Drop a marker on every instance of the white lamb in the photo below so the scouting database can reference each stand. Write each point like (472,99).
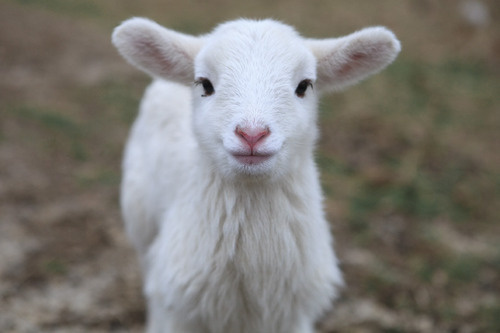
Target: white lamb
(220,191)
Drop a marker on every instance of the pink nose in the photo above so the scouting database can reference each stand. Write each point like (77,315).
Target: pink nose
(252,135)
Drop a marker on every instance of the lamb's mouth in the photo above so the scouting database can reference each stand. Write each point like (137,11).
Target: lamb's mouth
(252,159)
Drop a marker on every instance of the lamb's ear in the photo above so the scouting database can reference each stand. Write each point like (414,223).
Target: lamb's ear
(344,61)
(156,50)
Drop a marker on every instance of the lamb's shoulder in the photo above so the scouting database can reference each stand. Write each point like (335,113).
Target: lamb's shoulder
(165,113)
(157,156)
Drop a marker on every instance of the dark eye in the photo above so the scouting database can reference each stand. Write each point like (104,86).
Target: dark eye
(302,87)
(207,86)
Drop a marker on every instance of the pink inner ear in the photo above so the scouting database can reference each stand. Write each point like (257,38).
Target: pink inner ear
(153,54)
(354,60)
(358,56)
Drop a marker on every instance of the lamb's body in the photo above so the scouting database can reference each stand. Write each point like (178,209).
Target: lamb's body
(220,193)
(236,257)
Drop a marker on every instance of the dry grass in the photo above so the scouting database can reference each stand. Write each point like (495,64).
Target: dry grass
(409,159)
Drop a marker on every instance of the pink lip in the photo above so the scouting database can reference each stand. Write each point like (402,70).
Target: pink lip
(251,159)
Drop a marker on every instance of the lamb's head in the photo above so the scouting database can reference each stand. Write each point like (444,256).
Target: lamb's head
(255,84)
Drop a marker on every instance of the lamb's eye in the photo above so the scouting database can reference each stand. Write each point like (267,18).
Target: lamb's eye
(302,87)
(207,86)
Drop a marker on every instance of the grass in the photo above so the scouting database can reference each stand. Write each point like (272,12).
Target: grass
(120,98)
(490,318)
(107,177)
(61,130)
(50,119)
(55,267)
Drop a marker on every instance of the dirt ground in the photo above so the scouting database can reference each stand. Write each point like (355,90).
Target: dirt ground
(410,164)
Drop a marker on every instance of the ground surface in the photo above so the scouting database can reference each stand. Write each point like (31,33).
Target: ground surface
(410,164)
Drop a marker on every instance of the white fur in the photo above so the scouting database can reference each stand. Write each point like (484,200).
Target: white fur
(228,245)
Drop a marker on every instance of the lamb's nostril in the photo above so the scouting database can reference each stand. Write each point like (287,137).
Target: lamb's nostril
(252,135)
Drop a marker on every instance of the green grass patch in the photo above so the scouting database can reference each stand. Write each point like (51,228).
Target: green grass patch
(444,92)
(61,128)
(416,198)
(111,101)
(463,268)
(490,317)
(48,118)
(455,191)
(55,267)
(333,166)
(122,99)
(100,177)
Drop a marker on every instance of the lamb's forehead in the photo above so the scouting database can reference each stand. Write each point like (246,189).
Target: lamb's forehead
(265,41)
(254,28)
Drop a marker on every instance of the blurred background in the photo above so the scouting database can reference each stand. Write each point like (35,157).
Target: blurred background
(410,163)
